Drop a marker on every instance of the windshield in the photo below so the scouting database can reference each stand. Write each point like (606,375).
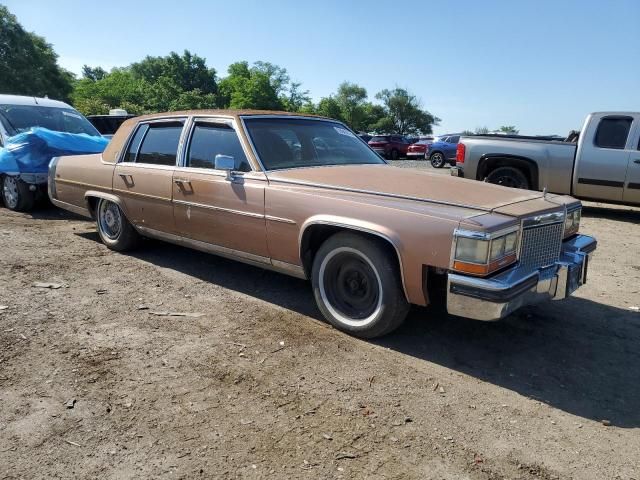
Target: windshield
(21,118)
(296,143)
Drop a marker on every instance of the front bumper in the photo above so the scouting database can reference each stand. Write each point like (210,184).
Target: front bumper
(496,297)
(34,178)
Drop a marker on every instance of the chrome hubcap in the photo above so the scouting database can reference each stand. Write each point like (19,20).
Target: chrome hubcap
(110,219)
(10,191)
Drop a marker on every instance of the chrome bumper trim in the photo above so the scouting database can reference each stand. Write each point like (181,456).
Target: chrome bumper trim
(497,297)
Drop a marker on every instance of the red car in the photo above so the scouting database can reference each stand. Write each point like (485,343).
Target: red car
(419,150)
(390,146)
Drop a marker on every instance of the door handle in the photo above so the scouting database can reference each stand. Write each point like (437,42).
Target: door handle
(127,179)
(637,160)
(181,181)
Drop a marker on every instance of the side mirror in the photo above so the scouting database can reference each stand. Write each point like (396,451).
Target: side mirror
(226,163)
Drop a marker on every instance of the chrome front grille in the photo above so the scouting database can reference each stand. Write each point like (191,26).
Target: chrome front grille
(541,245)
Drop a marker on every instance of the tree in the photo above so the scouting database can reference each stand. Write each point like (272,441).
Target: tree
(372,115)
(329,107)
(404,114)
(248,88)
(295,100)
(95,74)
(351,98)
(481,130)
(187,72)
(510,129)
(28,64)
(466,132)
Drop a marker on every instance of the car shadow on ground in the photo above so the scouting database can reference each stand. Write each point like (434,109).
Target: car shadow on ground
(621,214)
(577,355)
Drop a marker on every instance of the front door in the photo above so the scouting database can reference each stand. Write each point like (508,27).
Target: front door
(144,177)
(602,163)
(210,206)
(631,192)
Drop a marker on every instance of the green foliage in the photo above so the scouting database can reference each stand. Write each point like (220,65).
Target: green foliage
(403,114)
(330,107)
(97,73)
(155,84)
(481,130)
(28,64)
(352,99)
(466,132)
(263,86)
(510,129)
(248,88)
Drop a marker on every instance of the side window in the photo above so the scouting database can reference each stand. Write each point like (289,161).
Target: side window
(444,139)
(134,146)
(209,140)
(454,139)
(159,143)
(612,132)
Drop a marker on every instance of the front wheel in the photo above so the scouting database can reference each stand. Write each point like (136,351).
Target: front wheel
(509,177)
(357,285)
(437,160)
(16,194)
(113,227)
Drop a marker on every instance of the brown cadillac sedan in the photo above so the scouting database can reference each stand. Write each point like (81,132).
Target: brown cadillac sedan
(305,196)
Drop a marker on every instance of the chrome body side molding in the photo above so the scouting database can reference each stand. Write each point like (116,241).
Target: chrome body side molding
(249,258)
(84,212)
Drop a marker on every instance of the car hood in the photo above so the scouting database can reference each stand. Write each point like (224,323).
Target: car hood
(417,185)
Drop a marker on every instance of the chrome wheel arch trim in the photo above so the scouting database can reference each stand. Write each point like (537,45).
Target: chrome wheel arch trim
(357,226)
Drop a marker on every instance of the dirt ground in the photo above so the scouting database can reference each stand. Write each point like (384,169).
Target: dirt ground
(94,385)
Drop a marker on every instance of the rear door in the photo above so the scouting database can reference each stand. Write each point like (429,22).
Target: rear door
(209,206)
(452,144)
(603,157)
(631,192)
(144,176)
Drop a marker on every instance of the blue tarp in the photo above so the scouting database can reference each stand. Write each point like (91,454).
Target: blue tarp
(30,152)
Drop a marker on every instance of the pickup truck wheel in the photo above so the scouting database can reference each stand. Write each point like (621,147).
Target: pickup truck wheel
(437,160)
(16,194)
(394,154)
(357,286)
(509,177)
(113,227)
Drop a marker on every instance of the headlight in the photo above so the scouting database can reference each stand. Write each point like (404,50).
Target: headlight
(477,253)
(472,250)
(572,222)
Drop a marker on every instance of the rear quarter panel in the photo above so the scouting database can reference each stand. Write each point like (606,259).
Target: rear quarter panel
(76,175)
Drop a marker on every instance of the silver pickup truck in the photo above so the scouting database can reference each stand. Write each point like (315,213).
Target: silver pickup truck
(601,163)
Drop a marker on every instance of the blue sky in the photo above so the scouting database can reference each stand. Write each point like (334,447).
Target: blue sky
(540,65)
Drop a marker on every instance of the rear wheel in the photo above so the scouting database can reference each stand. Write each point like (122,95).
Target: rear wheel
(509,177)
(437,160)
(16,194)
(394,154)
(113,227)
(357,285)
